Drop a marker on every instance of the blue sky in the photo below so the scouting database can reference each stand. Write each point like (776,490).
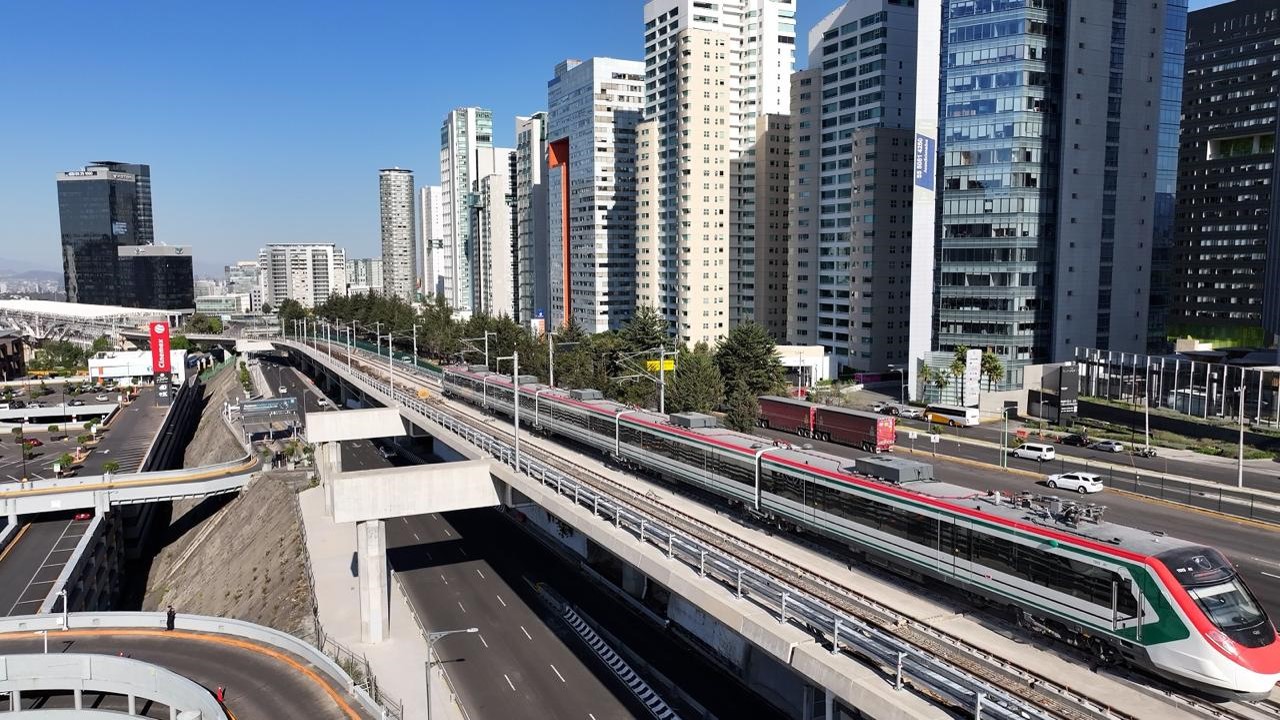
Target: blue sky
(267,121)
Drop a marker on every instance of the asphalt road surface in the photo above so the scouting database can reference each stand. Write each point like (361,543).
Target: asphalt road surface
(1251,546)
(259,686)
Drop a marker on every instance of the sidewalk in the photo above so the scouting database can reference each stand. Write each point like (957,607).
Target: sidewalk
(397,662)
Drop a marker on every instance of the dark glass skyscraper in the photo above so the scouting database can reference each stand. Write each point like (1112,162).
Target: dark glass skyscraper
(1049,145)
(108,251)
(1226,231)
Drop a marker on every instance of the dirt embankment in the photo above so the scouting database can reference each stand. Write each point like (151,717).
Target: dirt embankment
(240,556)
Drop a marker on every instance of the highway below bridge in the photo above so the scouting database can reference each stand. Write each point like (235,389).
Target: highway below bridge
(477,568)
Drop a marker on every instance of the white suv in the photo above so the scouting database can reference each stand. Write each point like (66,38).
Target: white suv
(1081,482)
(1035,451)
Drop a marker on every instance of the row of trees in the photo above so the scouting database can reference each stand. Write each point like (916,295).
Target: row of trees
(990,368)
(64,355)
(730,375)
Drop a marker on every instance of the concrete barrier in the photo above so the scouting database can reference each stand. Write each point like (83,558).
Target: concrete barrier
(82,673)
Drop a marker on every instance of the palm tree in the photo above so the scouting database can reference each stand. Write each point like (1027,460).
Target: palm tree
(992,368)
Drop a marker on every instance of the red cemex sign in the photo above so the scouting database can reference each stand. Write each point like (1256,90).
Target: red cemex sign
(160,347)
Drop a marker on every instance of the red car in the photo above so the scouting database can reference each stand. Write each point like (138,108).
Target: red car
(85,515)
(33,442)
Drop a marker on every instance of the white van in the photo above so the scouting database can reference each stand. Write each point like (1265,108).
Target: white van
(1035,451)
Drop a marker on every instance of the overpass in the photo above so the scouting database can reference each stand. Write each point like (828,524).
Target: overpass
(101,492)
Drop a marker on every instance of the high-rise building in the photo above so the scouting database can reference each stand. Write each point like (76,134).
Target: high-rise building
(531,216)
(155,276)
(773,222)
(399,251)
(593,109)
(466,155)
(1226,233)
(306,272)
(245,278)
(711,70)
(431,235)
(494,280)
(101,208)
(854,109)
(1049,141)
(364,275)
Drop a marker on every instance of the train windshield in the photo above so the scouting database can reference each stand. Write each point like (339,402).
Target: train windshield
(1229,605)
(1197,566)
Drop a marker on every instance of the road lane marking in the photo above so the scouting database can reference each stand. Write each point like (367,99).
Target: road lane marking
(463,551)
(464,609)
(509,684)
(446,582)
(447,533)
(415,537)
(482,642)
(23,531)
(482,577)
(405,520)
(557,672)
(526,632)
(504,602)
(1277,577)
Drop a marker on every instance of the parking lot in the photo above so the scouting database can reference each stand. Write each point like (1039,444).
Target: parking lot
(39,466)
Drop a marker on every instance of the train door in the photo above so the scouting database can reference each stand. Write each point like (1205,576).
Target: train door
(954,550)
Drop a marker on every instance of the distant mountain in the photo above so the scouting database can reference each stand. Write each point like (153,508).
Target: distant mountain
(38,275)
(9,267)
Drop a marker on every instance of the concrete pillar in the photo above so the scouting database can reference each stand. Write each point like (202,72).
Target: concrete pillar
(375,599)
(78,695)
(133,705)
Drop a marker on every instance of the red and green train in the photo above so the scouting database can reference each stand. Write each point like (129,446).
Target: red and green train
(1176,608)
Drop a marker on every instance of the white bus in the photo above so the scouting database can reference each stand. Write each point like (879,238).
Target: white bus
(952,415)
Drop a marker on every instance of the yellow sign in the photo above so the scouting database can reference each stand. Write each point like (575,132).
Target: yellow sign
(652,365)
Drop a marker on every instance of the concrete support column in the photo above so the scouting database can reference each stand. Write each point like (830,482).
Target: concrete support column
(133,705)
(375,598)
(78,695)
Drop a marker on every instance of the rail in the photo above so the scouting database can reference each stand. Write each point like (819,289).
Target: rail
(934,663)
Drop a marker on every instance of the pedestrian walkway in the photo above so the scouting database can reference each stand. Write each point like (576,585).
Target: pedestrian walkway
(398,662)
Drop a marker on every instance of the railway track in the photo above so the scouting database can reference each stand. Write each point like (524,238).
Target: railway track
(1056,699)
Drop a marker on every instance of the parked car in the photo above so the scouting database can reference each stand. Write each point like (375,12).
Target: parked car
(1040,452)
(33,442)
(102,397)
(1112,446)
(386,452)
(880,407)
(282,390)
(77,402)
(912,413)
(1076,440)
(83,515)
(1081,482)
(324,403)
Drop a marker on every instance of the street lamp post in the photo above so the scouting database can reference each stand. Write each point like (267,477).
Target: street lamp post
(514,357)
(1240,455)
(66,616)
(432,637)
(415,346)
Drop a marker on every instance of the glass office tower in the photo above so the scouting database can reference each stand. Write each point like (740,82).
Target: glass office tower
(98,211)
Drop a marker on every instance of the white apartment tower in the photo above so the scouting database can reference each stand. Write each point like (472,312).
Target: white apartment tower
(435,260)
(399,256)
(593,110)
(466,156)
(531,217)
(305,272)
(712,70)
(494,280)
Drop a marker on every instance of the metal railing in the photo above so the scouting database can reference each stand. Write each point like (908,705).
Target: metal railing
(840,630)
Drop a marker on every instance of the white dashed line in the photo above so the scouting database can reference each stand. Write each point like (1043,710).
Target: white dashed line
(415,537)
(482,642)
(482,577)
(526,632)
(464,609)
(509,684)
(446,582)
(504,602)
(447,533)
(557,672)
(1270,575)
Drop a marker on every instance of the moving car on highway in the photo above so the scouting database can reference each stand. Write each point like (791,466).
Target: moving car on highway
(1113,446)
(1081,482)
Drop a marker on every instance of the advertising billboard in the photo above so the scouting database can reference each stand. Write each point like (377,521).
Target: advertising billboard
(160,347)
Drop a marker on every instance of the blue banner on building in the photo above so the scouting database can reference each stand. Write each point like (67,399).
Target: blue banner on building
(926,151)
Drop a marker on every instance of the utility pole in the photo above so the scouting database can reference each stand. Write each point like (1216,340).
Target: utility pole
(415,346)
(514,357)
(1240,456)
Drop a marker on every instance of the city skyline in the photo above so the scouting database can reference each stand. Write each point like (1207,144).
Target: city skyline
(192,118)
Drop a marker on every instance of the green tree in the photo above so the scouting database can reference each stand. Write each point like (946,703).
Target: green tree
(742,410)
(65,461)
(992,369)
(204,324)
(266,308)
(179,342)
(644,331)
(101,344)
(291,310)
(696,384)
(749,355)
(956,368)
(110,466)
